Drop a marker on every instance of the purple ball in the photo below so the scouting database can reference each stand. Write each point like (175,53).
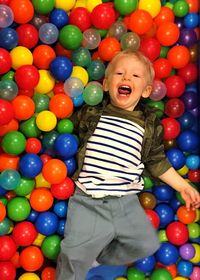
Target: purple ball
(190,99)
(187,37)
(187,251)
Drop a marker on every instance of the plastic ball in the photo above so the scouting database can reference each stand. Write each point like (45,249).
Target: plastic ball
(78,100)
(43,56)
(48,33)
(190,100)
(193,162)
(96,70)
(13,143)
(140,21)
(117,29)
(54,171)
(66,145)
(31,258)
(153,7)
(23,10)
(59,18)
(41,199)
(108,48)
(167,254)
(166,214)
(29,276)
(162,68)
(188,141)
(191,20)
(184,268)
(187,37)
(153,218)
(163,192)
(70,37)
(187,251)
(150,47)
(130,40)
(167,33)
(61,105)
(159,90)
(51,247)
(92,94)
(180,8)
(6,15)
(174,108)
(27,77)
(5,61)
(25,186)
(21,56)
(175,86)
(9,179)
(43,7)
(91,39)
(80,73)
(81,57)
(165,15)
(80,17)
(185,216)
(24,233)
(8,162)
(30,165)
(125,7)
(48,273)
(195,273)
(145,264)
(176,157)
(160,274)
(46,223)
(2,212)
(8,89)
(7,270)
(103,16)
(177,233)
(28,35)
(6,112)
(178,56)
(63,190)
(171,127)
(188,73)
(46,120)
(7,248)
(8,38)
(147,200)
(65,126)
(73,87)
(61,68)
(60,209)
(18,209)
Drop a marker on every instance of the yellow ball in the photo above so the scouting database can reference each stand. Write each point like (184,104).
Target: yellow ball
(151,6)
(183,170)
(46,120)
(196,257)
(80,3)
(41,182)
(46,82)
(120,278)
(29,276)
(180,278)
(65,5)
(21,56)
(197,215)
(91,4)
(81,73)
(39,239)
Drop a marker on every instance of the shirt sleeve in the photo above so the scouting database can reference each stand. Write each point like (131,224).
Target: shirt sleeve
(157,162)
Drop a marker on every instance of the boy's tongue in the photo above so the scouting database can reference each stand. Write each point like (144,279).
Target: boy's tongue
(124,90)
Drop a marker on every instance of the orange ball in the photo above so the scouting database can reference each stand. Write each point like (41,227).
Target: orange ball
(24,107)
(31,258)
(140,22)
(165,15)
(54,171)
(61,105)
(108,48)
(186,216)
(42,56)
(8,161)
(178,56)
(12,125)
(41,199)
(2,211)
(167,33)
(23,10)
(193,6)
(48,273)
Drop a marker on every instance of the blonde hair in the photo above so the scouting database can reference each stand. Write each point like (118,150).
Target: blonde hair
(140,56)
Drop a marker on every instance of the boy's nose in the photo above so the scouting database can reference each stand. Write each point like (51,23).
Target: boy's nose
(126,77)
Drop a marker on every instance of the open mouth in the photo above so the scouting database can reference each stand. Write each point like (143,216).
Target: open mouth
(124,90)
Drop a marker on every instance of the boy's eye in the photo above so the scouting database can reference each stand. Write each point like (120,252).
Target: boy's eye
(119,73)
(135,75)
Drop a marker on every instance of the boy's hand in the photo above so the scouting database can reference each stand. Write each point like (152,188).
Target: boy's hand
(191,197)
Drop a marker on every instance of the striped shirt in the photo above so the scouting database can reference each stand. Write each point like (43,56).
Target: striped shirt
(112,164)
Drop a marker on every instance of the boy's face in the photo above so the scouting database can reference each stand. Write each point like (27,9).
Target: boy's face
(127,82)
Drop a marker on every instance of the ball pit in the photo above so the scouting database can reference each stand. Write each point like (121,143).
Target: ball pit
(53,56)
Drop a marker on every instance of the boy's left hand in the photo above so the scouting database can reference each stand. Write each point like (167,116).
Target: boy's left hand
(191,197)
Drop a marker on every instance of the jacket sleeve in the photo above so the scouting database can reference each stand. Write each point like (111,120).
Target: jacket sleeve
(156,162)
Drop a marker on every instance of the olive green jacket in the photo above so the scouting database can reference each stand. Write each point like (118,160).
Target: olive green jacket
(153,156)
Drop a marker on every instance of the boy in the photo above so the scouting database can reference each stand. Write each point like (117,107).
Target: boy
(118,139)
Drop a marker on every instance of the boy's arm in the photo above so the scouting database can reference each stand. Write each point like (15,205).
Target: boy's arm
(188,193)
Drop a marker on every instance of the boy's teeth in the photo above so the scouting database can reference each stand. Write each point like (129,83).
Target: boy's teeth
(125,90)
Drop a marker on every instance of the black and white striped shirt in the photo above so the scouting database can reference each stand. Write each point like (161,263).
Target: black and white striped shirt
(112,164)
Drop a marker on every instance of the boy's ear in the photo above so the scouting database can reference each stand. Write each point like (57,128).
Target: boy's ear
(105,84)
(147,91)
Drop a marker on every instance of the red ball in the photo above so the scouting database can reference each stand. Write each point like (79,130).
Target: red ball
(61,105)
(177,233)
(33,145)
(165,15)
(140,22)
(171,128)
(31,258)
(108,48)
(150,48)
(103,16)
(167,33)
(175,86)
(178,56)
(189,73)
(59,88)
(162,68)
(174,108)
(28,35)
(27,77)
(153,218)
(194,175)
(6,112)
(23,10)
(5,61)
(7,248)
(24,233)
(186,216)
(63,190)
(7,271)
(80,17)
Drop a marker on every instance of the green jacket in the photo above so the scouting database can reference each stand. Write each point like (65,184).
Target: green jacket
(153,156)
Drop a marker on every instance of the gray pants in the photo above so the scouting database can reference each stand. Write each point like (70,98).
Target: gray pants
(113,231)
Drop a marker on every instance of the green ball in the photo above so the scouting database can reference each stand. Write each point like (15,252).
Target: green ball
(194,230)
(179,197)
(29,128)
(161,274)
(48,140)
(51,246)
(43,7)
(102,32)
(41,102)
(3,200)
(148,183)
(13,143)
(70,37)
(81,57)
(96,70)
(18,209)
(92,94)
(25,187)
(159,105)
(5,226)
(162,235)
(65,126)
(8,76)
(135,274)
(180,8)
(125,7)
(163,52)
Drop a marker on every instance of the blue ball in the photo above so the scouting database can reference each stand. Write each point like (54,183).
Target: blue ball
(78,100)
(61,68)
(176,157)
(165,213)
(146,264)
(163,192)
(175,204)
(8,38)
(193,162)
(33,216)
(59,18)
(60,209)
(66,145)
(61,227)
(184,268)
(47,223)
(188,141)
(30,165)
(167,254)
(2,191)
(191,20)
(71,165)
(186,120)
(10,179)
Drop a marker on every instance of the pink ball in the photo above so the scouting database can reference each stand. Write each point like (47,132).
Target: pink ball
(195,273)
